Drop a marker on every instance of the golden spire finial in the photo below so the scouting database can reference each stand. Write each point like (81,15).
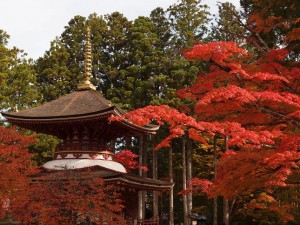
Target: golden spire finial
(86,84)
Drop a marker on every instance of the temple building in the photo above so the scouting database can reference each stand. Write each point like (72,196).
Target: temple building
(81,120)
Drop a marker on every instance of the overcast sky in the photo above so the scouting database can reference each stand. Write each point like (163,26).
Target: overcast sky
(33,24)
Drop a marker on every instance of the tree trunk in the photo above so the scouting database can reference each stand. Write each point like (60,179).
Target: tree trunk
(145,163)
(215,177)
(171,207)
(225,201)
(128,142)
(141,204)
(189,177)
(145,156)
(112,146)
(184,197)
(225,211)
(154,170)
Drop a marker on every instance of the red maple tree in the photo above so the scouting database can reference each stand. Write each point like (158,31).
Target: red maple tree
(16,166)
(71,197)
(30,195)
(129,160)
(253,102)
(263,97)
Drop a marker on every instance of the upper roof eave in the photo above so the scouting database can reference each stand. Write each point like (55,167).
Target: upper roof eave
(83,105)
(113,110)
(108,111)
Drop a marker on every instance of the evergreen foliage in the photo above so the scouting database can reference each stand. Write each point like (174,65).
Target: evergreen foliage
(139,63)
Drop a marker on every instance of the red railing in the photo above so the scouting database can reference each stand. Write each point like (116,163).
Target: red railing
(147,222)
(142,222)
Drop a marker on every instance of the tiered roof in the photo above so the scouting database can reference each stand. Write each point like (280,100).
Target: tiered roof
(80,106)
(81,120)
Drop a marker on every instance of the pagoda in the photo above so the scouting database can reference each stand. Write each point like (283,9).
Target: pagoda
(81,121)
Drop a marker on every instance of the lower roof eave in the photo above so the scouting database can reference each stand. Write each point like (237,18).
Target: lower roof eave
(140,185)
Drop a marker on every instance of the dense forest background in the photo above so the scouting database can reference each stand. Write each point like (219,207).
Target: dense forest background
(141,62)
